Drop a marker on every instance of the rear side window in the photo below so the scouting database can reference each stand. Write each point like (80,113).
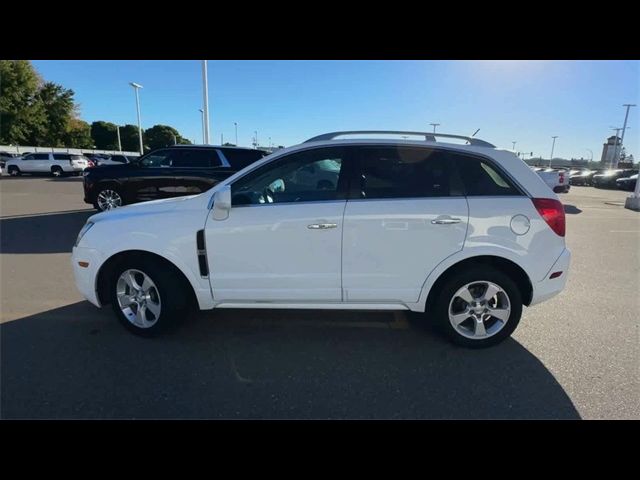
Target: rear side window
(401,172)
(238,159)
(194,158)
(480,178)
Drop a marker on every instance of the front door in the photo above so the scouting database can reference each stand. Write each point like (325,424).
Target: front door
(282,239)
(151,179)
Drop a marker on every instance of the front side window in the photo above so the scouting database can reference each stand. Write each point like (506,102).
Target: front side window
(194,158)
(40,156)
(308,176)
(158,159)
(403,172)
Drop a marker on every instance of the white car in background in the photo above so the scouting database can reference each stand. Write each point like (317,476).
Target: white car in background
(57,164)
(557,179)
(467,234)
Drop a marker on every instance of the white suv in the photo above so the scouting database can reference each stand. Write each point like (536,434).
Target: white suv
(465,233)
(57,164)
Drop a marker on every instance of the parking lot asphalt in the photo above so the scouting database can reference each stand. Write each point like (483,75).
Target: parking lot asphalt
(575,356)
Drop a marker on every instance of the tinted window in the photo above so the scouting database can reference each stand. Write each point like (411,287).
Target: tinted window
(238,159)
(312,175)
(40,156)
(194,158)
(118,158)
(480,178)
(61,156)
(156,159)
(399,172)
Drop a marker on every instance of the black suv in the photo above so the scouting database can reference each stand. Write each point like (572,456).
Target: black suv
(164,173)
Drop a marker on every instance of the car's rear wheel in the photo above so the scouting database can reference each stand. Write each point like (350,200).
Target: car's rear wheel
(14,171)
(108,198)
(56,171)
(479,307)
(147,298)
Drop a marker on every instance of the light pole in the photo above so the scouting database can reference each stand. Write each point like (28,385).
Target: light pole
(136,87)
(514,144)
(202,121)
(119,144)
(552,148)
(205,92)
(236,125)
(624,126)
(434,126)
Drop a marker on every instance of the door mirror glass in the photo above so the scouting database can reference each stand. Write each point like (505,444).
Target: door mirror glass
(222,203)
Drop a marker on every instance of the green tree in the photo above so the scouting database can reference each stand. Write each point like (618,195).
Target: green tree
(78,134)
(104,135)
(129,138)
(59,109)
(160,136)
(21,115)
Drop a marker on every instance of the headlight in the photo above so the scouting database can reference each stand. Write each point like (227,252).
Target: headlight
(84,230)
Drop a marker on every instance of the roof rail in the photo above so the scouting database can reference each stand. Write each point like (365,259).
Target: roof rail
(428,136)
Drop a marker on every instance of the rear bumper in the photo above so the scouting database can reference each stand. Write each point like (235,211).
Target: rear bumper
(550,287)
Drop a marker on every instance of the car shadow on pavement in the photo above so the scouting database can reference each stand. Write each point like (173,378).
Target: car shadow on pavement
(571,209)
(42,233)
(78,362)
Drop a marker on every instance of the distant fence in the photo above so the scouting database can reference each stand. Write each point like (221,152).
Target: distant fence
(25,148)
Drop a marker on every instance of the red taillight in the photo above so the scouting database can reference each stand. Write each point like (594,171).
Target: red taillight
(552,212)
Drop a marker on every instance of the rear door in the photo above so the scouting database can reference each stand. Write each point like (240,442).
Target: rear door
(406,214)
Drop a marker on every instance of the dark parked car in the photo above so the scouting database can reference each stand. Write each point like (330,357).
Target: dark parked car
(164,173)
(608,179)
(628,183)
(583,177)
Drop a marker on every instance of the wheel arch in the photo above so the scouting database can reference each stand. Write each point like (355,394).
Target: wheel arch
(509,267)
(109,266)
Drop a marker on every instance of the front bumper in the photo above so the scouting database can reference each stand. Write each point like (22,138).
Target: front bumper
(550,287)
(86,277)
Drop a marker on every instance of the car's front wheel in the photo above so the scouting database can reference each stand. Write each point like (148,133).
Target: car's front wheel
(478,307)
(14,171)
(147,297)
(108,198)
(56,171)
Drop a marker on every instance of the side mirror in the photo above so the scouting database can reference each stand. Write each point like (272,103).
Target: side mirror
(222,203)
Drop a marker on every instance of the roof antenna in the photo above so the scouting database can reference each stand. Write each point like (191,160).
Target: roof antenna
(474,134)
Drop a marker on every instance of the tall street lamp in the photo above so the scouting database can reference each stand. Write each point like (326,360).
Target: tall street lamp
(624,126)
(205,92)
(552,148)
(119,144)
(236,125)
(136,87)
(434,126)
(514,144)
(202,121)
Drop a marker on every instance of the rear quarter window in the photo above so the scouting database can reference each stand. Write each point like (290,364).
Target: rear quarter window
(481,178)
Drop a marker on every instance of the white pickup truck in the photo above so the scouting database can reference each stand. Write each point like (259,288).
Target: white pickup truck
(557,179)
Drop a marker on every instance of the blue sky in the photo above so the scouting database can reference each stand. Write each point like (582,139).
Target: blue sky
(290,101)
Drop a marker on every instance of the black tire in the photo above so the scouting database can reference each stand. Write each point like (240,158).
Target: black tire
(57,171)
(175,299)
(440,306)
(14,171)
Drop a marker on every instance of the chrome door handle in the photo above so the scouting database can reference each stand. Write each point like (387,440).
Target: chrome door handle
(321,226)
(445,221)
